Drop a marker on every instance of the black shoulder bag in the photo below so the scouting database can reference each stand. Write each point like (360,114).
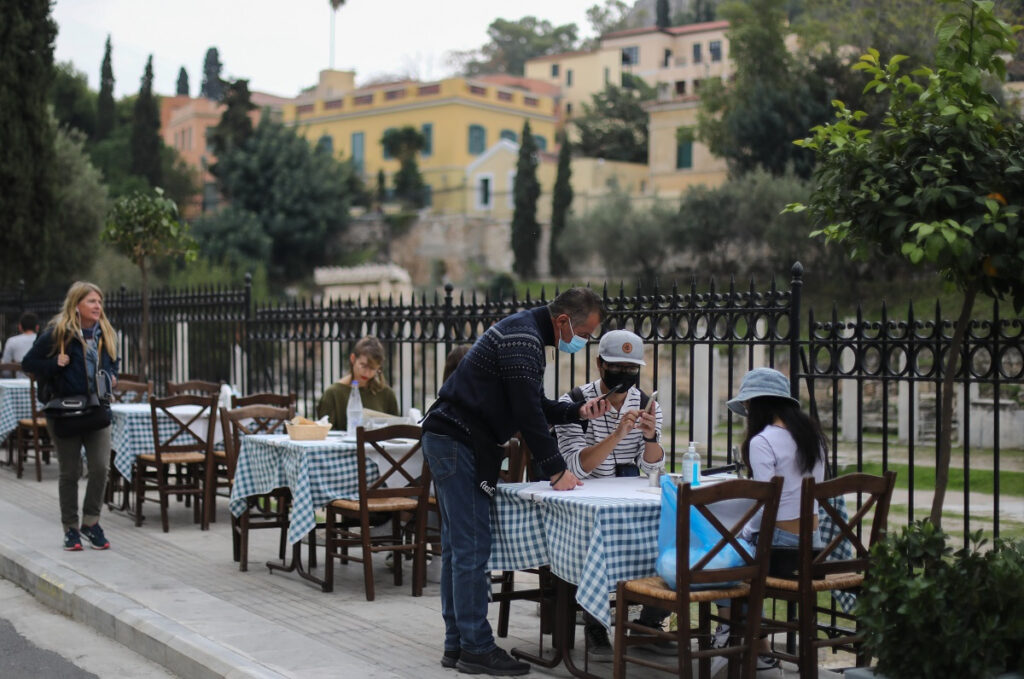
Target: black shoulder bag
(82,413)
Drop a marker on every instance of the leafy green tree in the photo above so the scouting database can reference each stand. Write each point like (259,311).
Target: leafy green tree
(613,15)
(105,114)
(145,137)
(525,229)
(751,121)
(81,206)
(74,104)
(662,18)
(561,205)
(404,143)
(628,241)
(511,43)
(614,124)
(235,125)
(182,88)
(27,205)
(212,86)
(382,188)
(300,197)
(145,228)
(233,237)
(939,183)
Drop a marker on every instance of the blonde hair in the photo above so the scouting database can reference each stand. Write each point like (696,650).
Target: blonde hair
(67,326)
(371,348)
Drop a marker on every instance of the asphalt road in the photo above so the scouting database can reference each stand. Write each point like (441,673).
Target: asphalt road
(39,643)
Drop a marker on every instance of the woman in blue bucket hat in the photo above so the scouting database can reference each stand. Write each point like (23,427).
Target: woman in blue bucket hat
(780,440)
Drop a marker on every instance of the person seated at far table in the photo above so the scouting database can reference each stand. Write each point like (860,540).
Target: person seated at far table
(622,442)
(18,345)
(365,363)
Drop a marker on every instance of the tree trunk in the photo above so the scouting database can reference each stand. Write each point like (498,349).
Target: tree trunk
(144,333)
(945,429)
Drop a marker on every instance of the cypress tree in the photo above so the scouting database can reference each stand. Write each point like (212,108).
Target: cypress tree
(235,125)
(27,199)
(182,82)
(212,86)
(525,229)
(561,202)
(145,140)
(662,19)
(105,115)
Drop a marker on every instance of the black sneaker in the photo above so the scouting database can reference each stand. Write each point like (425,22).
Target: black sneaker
(450,658)
(656,644)
(72,541)
(496,662)
(599,648)
(94,534)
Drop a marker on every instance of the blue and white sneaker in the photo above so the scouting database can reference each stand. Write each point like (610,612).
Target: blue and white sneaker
(72,541)
(94,534)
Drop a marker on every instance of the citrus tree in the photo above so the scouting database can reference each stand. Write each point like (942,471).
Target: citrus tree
(145,228)
(939,182)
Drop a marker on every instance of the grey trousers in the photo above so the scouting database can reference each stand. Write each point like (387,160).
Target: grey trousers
(69,457)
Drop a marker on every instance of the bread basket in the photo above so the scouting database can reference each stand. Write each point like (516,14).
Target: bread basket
(307,432)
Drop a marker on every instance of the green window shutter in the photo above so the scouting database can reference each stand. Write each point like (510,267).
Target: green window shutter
(684,155)
(428,139)
(477,140)
(541,142)
(511,135)
(358,151)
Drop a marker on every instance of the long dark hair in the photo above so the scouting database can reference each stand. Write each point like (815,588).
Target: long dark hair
(811,444)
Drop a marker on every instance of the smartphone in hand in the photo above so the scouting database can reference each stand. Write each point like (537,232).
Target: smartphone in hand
(650,403)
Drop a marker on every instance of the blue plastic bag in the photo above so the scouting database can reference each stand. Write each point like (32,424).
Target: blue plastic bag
(703,536)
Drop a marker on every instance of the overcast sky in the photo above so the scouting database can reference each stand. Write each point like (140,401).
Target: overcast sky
(281,46)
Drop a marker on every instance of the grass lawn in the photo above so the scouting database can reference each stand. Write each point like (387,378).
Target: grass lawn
(982,480)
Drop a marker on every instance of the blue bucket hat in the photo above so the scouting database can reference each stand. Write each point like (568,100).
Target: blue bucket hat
(760,382)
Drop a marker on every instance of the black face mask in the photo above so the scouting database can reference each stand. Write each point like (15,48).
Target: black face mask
(618,381)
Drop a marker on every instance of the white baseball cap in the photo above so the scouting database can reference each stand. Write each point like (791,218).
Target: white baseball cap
(621,346)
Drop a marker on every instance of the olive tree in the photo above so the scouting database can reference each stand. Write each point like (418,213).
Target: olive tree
(145,228)
(939,183)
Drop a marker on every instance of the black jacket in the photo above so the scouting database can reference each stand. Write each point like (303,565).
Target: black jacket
(498,390)
(41,361)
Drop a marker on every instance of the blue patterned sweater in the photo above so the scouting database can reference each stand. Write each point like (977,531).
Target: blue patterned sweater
(498,390)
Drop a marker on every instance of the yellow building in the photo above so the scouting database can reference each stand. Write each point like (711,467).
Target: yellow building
(459,117)
(676,159)
(580,75)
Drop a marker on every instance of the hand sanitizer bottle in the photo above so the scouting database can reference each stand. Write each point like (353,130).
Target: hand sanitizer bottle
(691,465)
(354,411)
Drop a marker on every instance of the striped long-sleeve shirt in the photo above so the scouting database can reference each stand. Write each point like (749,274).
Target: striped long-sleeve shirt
(630,450)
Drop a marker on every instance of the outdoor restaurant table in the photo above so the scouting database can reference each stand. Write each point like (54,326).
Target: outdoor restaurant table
(131,431)
(592,537)
(316,472)
(14,404)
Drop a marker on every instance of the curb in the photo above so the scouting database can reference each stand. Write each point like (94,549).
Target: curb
(150,634)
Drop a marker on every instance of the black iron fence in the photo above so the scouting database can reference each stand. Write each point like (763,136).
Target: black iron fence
(874,383)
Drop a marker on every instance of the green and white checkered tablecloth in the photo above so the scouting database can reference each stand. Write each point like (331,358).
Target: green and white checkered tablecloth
(131,431)
(14,404)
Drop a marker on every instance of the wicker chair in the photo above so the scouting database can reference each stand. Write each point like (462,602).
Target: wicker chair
(830,569)
(701,584)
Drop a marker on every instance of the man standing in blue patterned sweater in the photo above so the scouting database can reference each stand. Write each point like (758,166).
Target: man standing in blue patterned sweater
(496,391)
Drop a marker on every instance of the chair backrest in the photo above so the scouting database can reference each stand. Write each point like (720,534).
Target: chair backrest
(200,387)
(758,495)
(520,461)
(131,377)
(8,369)
(266,398)
(189,431)
(33,398)
(390,464)
(130,391)
(254,419)
(840,556)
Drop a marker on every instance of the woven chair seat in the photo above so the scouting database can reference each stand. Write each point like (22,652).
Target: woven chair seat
(174,458)
(382,504)
(655,587)
(836,581)
(30,422)
(220,453)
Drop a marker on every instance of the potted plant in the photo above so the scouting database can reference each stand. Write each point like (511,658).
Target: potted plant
(928,611)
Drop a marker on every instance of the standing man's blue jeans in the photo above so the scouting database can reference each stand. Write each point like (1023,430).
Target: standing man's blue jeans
(465,544)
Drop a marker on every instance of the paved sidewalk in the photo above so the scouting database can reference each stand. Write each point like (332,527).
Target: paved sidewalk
(179,599)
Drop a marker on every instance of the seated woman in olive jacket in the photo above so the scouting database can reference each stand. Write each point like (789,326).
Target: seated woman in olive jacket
(365,363)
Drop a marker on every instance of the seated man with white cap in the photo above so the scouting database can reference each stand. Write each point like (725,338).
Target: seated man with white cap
(621,442)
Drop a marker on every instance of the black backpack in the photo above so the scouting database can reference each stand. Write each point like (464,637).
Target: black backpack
(576,394)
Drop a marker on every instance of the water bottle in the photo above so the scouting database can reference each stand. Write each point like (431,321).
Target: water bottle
(691,465)
(354,411)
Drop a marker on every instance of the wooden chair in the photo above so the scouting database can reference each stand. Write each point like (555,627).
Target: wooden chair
(31,433)
(264,511)
(348,521)
(125,391)
(703,584)
(10,370)
(189,452)
(129,377)
(266,398)
(829,569)
(195,387)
